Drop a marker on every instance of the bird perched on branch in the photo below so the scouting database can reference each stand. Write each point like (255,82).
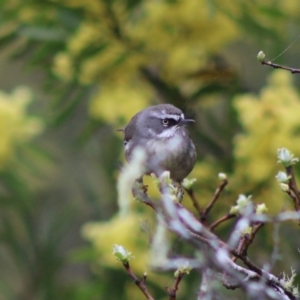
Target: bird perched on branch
(160,130)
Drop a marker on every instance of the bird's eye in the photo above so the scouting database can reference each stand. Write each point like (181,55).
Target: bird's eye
(165,122)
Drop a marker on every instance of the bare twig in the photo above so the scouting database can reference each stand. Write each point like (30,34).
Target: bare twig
(277,66)
(194,231)
(221,220)
(141,283)
(247,240)
(203,213)
(195,202)
(139,191)
(214,199)
(239,248)
(293,197)
(172,292)
(227,284)
(181,222)
(293,187)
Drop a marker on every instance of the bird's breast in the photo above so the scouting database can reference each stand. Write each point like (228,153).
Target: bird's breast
(177,155)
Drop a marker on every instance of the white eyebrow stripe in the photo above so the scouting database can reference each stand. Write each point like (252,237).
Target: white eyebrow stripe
(168,116)
(175,117)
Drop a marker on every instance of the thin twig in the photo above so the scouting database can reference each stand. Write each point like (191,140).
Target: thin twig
(229,286)
(181,222)
(239,248)
(141,283)
(213,200)
(192,195)
(221,220)
(293,186)
(293,197)
(247,262)
(251,238)
(276,66)
(140,193)
(203,234)
(247,240)
(172,292)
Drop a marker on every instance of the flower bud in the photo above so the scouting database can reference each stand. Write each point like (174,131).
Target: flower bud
(246,231)
(261,56)
(187,183)
(261,209)
(286,157)
(222,176)
(122,254)
(184,269)
(282,177)
(242,204)
(284,187)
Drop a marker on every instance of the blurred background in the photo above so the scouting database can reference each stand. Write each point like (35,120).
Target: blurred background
(74,71)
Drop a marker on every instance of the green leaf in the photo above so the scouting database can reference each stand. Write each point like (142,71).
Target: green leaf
(43,33)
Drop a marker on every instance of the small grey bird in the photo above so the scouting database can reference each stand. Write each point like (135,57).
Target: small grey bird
(160,131)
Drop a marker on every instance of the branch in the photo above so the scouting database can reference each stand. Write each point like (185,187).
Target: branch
(203,213)
(261,58)
(182,222)
(276,66)
(141,283)
(139,191)
(227,284)
(172,292)
(192,195)
(216,253)
(293,197)
(293,186)
(221,220)
(246,241)
(213,200)
(249,241)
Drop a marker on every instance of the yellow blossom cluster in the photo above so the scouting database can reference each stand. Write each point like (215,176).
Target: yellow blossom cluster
(123,230)
(173,38)
(118,103)
(128,232)
(16,126)
(270,121)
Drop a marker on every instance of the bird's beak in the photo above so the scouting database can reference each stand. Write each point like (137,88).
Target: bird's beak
(185,122)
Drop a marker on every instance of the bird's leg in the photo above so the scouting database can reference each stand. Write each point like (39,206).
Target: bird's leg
(179,190)
(139,191)
(139,187)
(174,187)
